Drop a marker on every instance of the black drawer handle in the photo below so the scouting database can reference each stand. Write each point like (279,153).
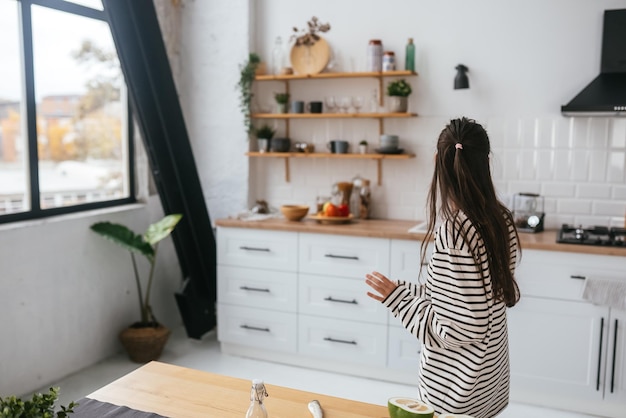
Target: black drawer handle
(334,340)
(614,352)
(576,276)
(331,299)
(254,328)
(600,354)
(254,289)
(267,250)
(345,257)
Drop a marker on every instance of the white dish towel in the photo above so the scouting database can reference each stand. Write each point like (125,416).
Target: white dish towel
(605,292)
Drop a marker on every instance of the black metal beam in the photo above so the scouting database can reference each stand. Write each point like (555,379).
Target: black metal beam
(154,100)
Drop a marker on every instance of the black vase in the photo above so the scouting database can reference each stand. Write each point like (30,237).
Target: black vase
(280,145)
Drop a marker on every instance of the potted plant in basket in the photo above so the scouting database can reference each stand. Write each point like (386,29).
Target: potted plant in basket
(144,340)
(263,136)
(282,99)
(398,92)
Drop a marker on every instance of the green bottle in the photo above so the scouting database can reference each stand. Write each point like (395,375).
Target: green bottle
(409,57)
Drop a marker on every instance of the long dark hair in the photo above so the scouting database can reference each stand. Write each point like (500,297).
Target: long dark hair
(462,177)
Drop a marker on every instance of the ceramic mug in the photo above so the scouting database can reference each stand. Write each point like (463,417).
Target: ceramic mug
(297,107)
(315,107)
(338,146)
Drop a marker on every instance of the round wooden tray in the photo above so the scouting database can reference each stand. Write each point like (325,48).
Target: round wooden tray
(331,219)
(310,59)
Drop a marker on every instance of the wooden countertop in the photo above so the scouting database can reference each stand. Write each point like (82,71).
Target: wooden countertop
(179,392)
(398,229)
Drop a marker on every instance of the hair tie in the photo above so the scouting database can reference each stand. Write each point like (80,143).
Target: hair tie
(458,145)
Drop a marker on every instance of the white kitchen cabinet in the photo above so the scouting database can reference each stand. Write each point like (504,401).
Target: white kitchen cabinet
(338,297)
(342,255)
(615,382)
(555,349)
(334,339)
(257,328)
(403,351)
(562,346)
(274,250)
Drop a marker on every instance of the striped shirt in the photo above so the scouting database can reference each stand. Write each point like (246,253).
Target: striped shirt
(464,364)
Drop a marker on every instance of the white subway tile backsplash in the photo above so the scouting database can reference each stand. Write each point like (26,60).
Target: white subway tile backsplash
(598,132)
(574,206)
(562,132)
(562,164)
(580,133)
(554,189)
(619,192)
(597,165)
(544,165)
(608,208)
(617,133)
(577,164)
(615,166)
(527,165)
(593,191)
(580,165)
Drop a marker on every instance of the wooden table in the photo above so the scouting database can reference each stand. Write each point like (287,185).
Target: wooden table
(175,391)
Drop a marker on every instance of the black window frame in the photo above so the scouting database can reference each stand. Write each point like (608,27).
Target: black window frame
(36,212)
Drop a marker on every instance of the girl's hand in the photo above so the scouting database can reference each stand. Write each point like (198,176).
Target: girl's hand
(381,284)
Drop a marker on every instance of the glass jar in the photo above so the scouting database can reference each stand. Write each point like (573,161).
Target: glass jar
(365,195)
(389,61)
(374,55)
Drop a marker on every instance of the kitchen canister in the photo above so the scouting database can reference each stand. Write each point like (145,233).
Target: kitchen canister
(375,55)
(389,61)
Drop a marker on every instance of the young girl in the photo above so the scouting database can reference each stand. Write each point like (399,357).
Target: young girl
(459,315)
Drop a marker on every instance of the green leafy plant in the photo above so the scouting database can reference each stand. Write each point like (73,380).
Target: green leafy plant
(246,79)
(363,142)
(265,131)
(399,88)
(281,98)
(146,245)
(41,405)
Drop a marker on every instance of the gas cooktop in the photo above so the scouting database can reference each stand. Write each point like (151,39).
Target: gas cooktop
(593,235)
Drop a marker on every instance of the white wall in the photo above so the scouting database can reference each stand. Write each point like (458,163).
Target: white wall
(526,59)
(65,294)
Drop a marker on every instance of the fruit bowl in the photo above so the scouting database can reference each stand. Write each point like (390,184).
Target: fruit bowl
(294,212)
(320,218)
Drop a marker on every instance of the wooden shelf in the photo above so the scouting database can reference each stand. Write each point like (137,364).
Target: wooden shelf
(287,155)
(363,74)
(332,115)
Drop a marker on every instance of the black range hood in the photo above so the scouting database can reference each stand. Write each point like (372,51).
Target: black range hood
(606,94)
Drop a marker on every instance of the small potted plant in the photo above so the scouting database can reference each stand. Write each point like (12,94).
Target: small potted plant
(144,340)
(263,136)
(398,92)
(363,146)
(39,405)
(282,99)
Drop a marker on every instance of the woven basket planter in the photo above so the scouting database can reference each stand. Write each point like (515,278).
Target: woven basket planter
(144,344)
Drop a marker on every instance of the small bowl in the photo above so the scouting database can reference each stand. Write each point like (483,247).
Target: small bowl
(294,212)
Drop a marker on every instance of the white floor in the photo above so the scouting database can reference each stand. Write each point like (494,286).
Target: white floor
(205,355)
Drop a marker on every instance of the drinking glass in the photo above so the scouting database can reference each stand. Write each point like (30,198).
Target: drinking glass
(344,104)
(357,103)
(330,103)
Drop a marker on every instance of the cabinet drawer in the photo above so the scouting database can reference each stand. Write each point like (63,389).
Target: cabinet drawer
(403,350)
(257,288)
(338,297)
(276,250)
(341,340)
(343,256)
(405,259)
(561,275)
(271,330)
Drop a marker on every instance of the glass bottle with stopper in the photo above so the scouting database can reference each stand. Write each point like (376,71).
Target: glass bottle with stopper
(257,394)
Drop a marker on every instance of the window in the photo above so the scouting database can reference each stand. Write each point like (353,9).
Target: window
(65,136)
